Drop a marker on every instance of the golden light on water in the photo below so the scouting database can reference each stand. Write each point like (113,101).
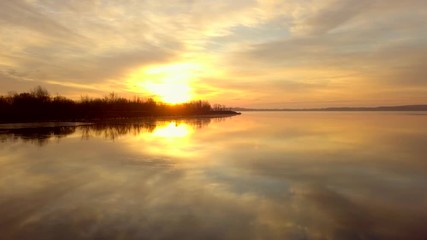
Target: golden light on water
(171,139)
(167,83)
(172,130)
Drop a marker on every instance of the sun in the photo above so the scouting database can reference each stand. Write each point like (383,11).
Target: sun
(167,83)
(170,92)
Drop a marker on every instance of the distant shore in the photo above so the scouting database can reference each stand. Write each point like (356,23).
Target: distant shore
(422,107)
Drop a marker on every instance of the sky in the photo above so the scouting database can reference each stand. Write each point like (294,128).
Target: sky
(240,53)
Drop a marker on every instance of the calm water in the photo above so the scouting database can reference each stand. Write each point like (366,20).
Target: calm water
(262,175)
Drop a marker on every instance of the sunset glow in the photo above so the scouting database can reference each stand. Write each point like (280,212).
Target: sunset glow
(166,83)
(170,92)
(215,119)
(257,54)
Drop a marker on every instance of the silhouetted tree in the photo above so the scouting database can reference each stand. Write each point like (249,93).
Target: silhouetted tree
(38,105)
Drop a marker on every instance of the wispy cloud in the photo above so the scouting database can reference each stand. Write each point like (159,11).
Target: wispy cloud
(292,51)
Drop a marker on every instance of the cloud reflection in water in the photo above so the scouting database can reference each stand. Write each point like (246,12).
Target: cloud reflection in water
(255,176)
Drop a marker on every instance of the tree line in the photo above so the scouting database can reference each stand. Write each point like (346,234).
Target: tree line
(39,105)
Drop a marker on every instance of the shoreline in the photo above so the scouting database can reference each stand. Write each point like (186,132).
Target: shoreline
(19,124)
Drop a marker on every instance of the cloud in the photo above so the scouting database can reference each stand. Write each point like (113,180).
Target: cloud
(345,46)
(293,47)
(91,50)
(328,16)
(21,14)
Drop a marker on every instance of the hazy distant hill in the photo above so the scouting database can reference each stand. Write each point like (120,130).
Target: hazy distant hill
(380,108)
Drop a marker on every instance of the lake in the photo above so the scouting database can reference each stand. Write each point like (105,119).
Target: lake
(260,175)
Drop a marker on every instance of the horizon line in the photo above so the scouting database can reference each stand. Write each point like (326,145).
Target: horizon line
(409,107)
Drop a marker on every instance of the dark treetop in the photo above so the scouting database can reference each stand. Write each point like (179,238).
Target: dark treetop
(38,105)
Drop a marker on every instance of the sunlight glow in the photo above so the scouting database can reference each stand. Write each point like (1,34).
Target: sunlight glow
(167,83)
(170,92)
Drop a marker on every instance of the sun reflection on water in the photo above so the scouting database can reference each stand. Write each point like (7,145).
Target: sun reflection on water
(172,130)
(170,140)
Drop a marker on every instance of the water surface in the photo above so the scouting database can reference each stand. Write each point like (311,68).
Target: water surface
(261,175)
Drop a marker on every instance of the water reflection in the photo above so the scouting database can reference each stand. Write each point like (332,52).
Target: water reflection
(255,176)
(41,134)
(172,130)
